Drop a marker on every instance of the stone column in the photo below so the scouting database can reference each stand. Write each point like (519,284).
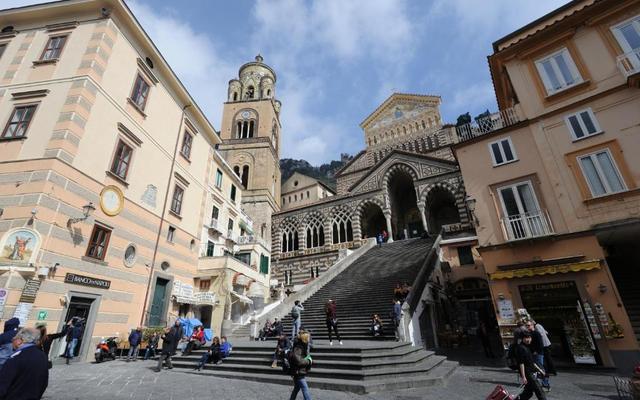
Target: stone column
(387,217)
(424,219)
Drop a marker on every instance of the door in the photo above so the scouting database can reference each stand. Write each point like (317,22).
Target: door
(157,305)
(79,307)
(628,36)
(522,213)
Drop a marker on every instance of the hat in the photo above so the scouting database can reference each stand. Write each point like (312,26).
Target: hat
(41,324)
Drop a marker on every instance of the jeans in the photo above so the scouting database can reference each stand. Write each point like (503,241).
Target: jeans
(331,325)
(162,358)
(300,383)
(295,327)
(148,353)
(71,348)
(539,359)
(133,353)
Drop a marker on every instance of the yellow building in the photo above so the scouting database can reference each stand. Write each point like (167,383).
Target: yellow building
(554,178)
(114,202)
(301,190)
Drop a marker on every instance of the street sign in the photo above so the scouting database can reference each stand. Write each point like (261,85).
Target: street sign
(42,315)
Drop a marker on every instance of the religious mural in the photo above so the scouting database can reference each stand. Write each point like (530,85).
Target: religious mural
(19,246)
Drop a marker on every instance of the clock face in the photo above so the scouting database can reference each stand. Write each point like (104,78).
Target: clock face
(245,114)
(111,200)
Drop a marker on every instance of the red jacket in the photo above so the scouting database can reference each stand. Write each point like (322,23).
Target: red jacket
(330,311)
(199,336)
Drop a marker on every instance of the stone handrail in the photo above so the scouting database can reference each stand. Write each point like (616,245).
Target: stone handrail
(312,287)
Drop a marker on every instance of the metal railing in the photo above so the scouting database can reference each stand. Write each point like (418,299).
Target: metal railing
(251,239)
(522,226)
(230,236)
(629,63)
(490,123)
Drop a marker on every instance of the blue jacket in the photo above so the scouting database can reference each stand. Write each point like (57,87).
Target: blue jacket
(135,337)
(225,349)
(10,330)
(25,375)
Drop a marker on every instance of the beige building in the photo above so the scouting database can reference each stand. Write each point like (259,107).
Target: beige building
(301,190)
(114,203)
(554,176)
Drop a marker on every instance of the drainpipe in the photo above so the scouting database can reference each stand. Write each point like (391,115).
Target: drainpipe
(162,216)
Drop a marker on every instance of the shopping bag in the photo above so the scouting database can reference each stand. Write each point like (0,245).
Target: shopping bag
(499,393)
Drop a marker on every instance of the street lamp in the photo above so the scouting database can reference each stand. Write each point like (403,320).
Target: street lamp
(471,206)
(87,210)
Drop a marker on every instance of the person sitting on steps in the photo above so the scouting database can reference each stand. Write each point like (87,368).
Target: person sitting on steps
(212,355)
(196,340)
(266,330)
(376,325)
(225,348)
(281,348)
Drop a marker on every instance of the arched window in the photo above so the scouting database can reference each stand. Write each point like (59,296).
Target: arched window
(308,194)
(268,92)
(236,169)
(341,226)
(250,92)
(235,96)
(315,231)
(245,176)
(250,133)
(274,136)
(424,126)
(404,130)
(290,240)
(289,199)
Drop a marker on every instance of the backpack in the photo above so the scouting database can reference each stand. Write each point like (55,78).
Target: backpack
(295,312)
(286,362)
(512,361)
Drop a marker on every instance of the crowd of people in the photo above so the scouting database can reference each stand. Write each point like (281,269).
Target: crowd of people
(530,352)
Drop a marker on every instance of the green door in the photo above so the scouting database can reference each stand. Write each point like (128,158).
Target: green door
(264,264)
(157,305)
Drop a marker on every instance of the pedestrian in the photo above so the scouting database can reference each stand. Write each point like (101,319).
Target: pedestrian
(485,339)
(385,235)
(135,337)
(379,239)
(332,320)
(549,368)
(296,316)
(152,346)
(74,334)
(25,375)
(376,325)
(278,328)
(281,348)
(170,340)
(527,369)
(47,339)
(396,316)
(212,355)
(537,349)
(10,330)
(300,362)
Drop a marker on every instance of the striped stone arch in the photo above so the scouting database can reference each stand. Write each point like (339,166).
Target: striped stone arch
(357,215)
(458,193)
(398,167)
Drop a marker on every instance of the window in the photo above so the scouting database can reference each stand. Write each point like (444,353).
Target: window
(171,233)
(210,249)
(502,152)
(295,197)
(465,255)
(628,36)
(215,212)
(19,121)
(245,176)
(522,215)
(308,194)
(140,92)
(176,200)
(315,272)
(315,232)
(244,257)
(284,201)
(601,173)
(288,277)
(205,284)
(290,240)
(98,242)
(130,256)
(187,141)
(582,124)
(558,71)
(121,160)
(53,48)
(230,225)
(233,193)
(218,178)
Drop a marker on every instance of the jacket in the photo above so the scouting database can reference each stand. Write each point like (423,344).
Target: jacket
(536,346)
(10,330)
(75,332)
(299,365)
(25,375)
(225,349)
(171,339)
(278,328)
(330,311)
(135,338)
(523,356)
(46,345)
(544,334)
(153,342)
(198,336)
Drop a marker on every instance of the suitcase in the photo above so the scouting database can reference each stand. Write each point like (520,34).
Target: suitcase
(500,393)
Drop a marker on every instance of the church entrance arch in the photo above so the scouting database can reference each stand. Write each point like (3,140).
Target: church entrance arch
(406,221)
(441,209)
(372,220)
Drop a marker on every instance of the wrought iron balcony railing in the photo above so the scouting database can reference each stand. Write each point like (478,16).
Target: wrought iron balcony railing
(528,225)
(629,63)
(488,124)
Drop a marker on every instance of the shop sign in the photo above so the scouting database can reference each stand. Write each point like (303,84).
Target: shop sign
(547,286)
(42,315)
(87,281)
(22,312)
(30,291)
(505,308)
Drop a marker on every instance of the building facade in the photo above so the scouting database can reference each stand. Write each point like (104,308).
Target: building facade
(554,178)
(405,182)
(301,190)
(109,179)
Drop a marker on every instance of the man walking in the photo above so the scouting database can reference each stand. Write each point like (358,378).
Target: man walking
(134,343)
(396,316)
(74,334)
(332,320)
(537,349)
(170,338)
(527,369)
(300,364)
(25,375)
(296,315)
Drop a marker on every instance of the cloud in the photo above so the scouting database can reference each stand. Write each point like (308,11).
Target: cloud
(473,98)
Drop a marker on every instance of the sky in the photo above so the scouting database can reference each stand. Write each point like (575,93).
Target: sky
(335,60)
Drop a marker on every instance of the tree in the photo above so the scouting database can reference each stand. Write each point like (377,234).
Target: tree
(463,119)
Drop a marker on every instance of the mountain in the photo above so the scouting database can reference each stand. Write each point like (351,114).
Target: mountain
(325,172)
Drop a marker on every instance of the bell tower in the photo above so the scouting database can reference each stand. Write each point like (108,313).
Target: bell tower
(250,133)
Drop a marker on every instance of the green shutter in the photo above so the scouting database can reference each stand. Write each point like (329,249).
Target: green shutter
(264,264)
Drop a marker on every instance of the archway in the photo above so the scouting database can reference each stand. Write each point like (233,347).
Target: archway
(372,220)
(405,216)
(441,209)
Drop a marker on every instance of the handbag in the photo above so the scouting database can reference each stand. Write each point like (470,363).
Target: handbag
(500,393)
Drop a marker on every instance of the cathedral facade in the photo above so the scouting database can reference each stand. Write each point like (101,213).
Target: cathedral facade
(405,182)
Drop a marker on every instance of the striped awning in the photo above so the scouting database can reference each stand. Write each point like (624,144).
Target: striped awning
(546,270)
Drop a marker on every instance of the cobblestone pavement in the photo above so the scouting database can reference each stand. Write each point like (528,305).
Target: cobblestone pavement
(117,380)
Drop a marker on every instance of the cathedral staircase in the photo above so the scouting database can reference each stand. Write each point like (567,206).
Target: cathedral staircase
(363,364)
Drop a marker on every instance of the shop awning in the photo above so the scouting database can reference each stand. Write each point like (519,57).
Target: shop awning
(242,298)
(546,270)
(185,299)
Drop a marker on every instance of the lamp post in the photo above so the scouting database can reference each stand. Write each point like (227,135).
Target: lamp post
(87,210)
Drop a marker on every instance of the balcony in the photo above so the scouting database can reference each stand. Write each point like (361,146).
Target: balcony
(528,225)
(231,237)
(251,239)
(629,65)
(488,124)
(213,225)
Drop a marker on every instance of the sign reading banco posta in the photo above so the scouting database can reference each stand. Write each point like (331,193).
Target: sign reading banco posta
(87,281)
